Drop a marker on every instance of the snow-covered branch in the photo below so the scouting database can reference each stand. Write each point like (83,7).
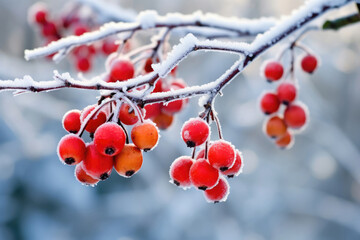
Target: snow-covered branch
(248,52)
(150,19)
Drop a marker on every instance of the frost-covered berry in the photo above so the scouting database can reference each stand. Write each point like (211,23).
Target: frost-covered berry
(176,105)
(221,155)
(163,121)
(180,171)
(83,64)
(97,165)
(109,46)
(235,170)
(275,127)
(219,193)
(71,149)
(309,63)
(203,175)
(195,132)
(269,103)
(121,70)
(109,139)
(95,121)
(152,110)
(83,177)
(273,71)
(295,116)
(71,121)
(145,135)
(128,161)
(286,92)
(285,141)
(127,115)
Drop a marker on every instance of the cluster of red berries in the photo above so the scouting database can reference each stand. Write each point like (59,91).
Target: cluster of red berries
(110,147)
(292,115)
(207,170)
(53,29)
(162,114)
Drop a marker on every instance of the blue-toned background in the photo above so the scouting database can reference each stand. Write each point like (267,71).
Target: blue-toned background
(309,192)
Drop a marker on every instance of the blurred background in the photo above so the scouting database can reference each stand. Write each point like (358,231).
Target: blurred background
(311,191)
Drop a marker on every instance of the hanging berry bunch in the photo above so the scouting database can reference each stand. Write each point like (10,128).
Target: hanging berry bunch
(73,21)
(206,170)
(287,116)
(110,146)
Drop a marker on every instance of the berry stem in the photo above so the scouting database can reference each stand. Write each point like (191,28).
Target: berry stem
(91,115)
(125,131)
(218,125)
(193,153)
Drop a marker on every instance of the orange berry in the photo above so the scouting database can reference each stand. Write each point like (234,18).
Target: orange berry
(145,135)
(285,141)
(128,161)
(275,127)
(163,120)
(83,177)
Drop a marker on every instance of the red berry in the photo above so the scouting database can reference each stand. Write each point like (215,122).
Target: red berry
(145,135)
(269,103)
(286,92)
(203,175)
(109,139)
(285,141)
(235,170)
(218,193)
(273,71)
(295,116)
(83,64)
(71,149)
(173,106)
(80,29)
(109,46)
(71,121)
(97,165)
(147,66)
(180,171)
(127,116)
(195,132)
(275,127)
(49,29)
(152,110)
(158,86)
(221,155)
(121,70)
(95,121)
(128,161)
(40,16)
(83,177)
(309,63)
(38,13)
